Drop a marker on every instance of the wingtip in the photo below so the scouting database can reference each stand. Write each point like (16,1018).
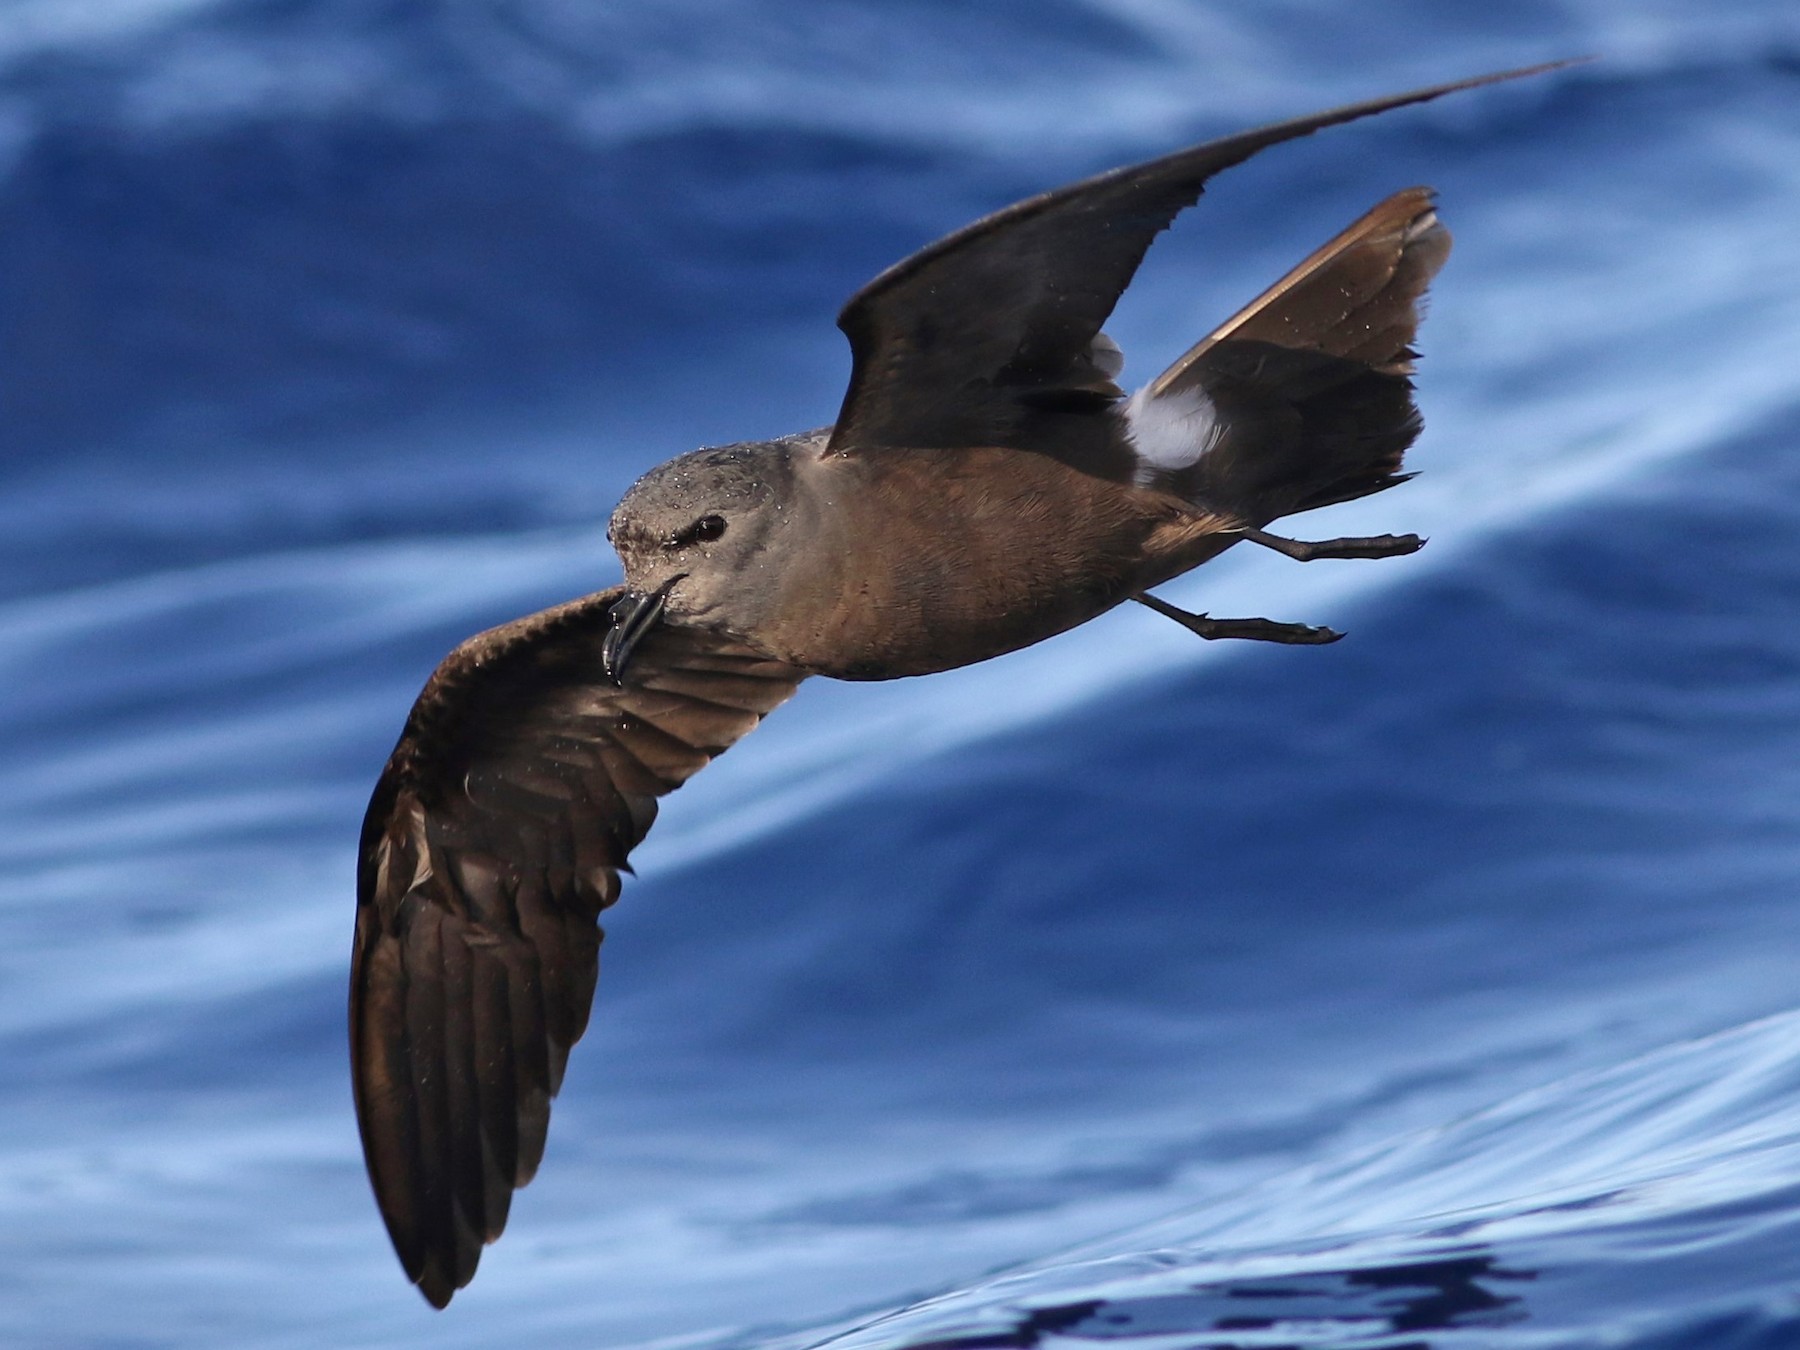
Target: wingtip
(435,1291)
(1497,77)
(436,1273)
(1431,92)
(1525,72)
(443,1272)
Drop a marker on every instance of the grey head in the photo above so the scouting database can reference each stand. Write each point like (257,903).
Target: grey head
(699,537)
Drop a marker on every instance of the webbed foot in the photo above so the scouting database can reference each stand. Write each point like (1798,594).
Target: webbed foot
(1255,630)
(1365,546)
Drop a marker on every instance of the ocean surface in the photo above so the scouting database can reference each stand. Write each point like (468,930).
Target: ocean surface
(1434,989)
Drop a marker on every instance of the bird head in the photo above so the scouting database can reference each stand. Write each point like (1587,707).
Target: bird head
(694,535)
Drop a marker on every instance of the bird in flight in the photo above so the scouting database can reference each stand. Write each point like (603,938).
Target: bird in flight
(986,485)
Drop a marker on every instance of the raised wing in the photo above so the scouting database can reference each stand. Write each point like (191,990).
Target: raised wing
(494,839)
(1307,386)
(1356,296)
(987,337)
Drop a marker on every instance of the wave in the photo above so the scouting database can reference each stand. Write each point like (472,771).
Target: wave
(344,324)
(1676,1172)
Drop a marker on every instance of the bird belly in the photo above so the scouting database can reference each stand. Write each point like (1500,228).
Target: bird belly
(974,557)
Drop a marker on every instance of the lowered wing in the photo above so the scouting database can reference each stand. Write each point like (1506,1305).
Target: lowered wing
(495,837)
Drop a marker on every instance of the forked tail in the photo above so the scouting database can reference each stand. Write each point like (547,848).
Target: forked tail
(1304,397)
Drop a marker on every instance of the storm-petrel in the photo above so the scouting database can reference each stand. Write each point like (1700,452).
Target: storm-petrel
(986,485)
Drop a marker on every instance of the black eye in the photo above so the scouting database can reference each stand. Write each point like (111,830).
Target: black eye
(702,531)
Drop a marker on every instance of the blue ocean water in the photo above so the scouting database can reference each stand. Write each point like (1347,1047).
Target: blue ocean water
(1433,989)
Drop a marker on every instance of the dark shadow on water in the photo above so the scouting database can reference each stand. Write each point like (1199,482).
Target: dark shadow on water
(1359,1307)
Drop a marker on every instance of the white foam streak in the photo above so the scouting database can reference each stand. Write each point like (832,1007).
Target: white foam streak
(614,73)
(32,27)
(1706,1125)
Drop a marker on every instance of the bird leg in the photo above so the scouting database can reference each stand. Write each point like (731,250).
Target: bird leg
(1257,630)
(1367,546)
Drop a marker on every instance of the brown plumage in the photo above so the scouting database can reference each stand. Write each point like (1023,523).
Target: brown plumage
(522,780)
(985,486)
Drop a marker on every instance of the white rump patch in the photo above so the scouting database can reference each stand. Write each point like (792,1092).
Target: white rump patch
(1172,432)
(1420,226)
(1105,356)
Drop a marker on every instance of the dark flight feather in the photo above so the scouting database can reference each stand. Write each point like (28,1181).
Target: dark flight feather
(962,343)
(495,837)
(1310,381)
(525,775)
(1355,296)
